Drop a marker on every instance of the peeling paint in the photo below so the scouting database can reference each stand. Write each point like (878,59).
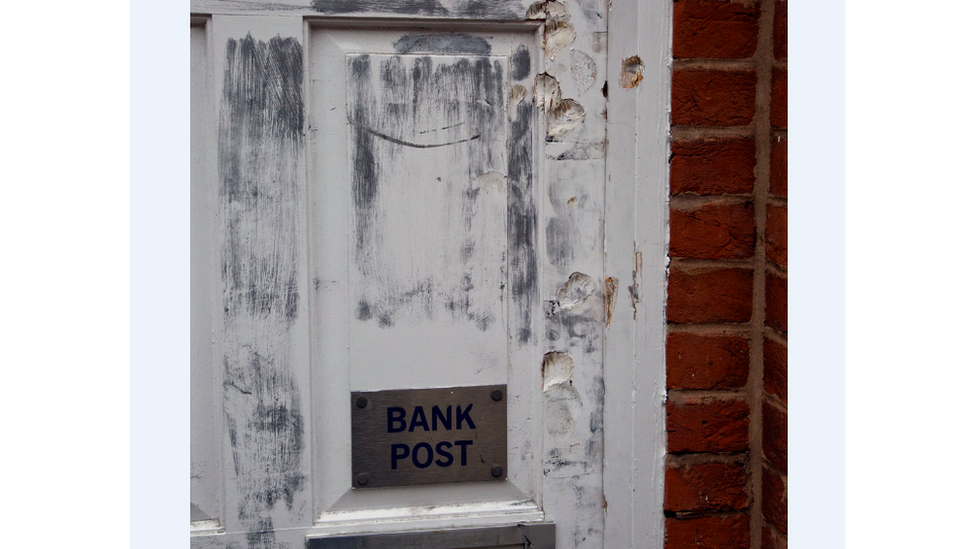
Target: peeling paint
(562,115)
(572,203)
(585,150)
(574,292)
(583,69)
(493,181)
(557,33)
(634,289)
(563,406)
(557,368)
(610,296)
(516,93)
(631,72)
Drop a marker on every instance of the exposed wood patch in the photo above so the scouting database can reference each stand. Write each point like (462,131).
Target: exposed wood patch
(631,72)
(610,296)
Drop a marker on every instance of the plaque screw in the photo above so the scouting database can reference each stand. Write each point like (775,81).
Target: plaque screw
(362,402)
(362,479)
(496,395)
(496,471)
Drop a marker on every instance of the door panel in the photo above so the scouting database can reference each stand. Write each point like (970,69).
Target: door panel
(405,195)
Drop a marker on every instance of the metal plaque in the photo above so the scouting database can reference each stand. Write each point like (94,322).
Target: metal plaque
(429,436)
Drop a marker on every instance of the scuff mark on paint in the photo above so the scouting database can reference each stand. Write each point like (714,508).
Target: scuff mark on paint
(405,143)
(635,287)
(610,296)
(583,69)
(261,139)
(557,33)
(557,368)
(429,8)
(521,63)
(446,43)
(562,115)
(523,268)
(261,100)
(401,110)
(574,292)
(631,72)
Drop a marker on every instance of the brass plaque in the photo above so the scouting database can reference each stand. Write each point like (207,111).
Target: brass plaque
(429,436)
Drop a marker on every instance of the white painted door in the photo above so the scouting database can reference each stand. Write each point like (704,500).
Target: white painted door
(404,195)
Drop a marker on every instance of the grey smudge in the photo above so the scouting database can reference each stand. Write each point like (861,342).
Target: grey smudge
(445,43)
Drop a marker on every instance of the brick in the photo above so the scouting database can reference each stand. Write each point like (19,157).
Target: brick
(780,34)
(774,369)
(778,100)
(776,235)
(774,435)
(772,539)
(711,97)
(777,167)
(705,487)
(728,532)
(774,499)
(714,231)
(697,361)
(710,295)
(713,166)
(715,29)
(708,425)
(776,301)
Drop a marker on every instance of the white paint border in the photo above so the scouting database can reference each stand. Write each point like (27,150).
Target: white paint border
(636,248)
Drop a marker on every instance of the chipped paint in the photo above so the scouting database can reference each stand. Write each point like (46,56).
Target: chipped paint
(634,288)
(516,93)
(557,368)
(583,69)
(574,292)
(562,115)
(631,72)
(610,296)
(557,33)
(563,406)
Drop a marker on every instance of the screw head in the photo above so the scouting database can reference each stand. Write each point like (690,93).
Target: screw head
(496,395)
(362,479)
(496,471)
(362,402)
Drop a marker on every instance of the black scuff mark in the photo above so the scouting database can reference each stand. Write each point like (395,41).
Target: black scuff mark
(444,43)
(261,137)
(467,92)
(405,143)
(505,9)
(522,221)
(261,142)
(521,63)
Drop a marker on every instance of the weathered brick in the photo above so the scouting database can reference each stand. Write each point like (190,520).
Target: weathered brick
(713,166)
(710,295)
(705,487)
(780,33)
(774,499)
(714,231)
(715,29)
(708,425)
(775,369)
(774,436)
(697,361)
(776,235)
(772,539)
(778,102)
(710,97)
(777,167)
(776,302)
(712,532)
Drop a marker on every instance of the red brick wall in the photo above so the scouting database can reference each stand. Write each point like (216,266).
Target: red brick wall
(725,482)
